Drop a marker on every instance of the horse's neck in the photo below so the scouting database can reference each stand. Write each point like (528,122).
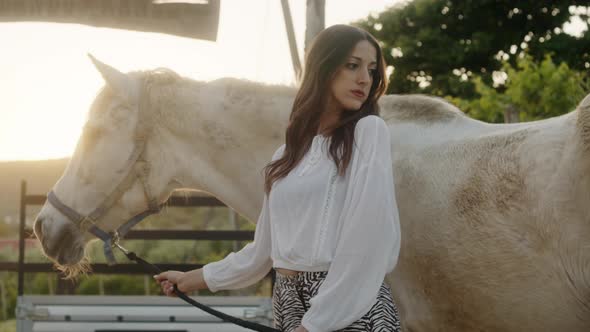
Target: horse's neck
(217,137)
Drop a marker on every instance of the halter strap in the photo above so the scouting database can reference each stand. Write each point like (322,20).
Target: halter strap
(137,169)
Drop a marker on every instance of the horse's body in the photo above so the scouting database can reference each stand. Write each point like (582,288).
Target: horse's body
(494,218)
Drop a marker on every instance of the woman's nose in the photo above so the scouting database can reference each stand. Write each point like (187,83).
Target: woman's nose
(363,77)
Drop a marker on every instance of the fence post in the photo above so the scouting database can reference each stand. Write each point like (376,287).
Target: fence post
(65,286)
(21,236)
(100,285)
(146,285)
(3,292)
(234,223)
(50,281)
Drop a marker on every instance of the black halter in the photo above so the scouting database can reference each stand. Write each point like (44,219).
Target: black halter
(136,168)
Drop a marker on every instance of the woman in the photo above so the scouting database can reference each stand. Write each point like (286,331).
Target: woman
(329,221)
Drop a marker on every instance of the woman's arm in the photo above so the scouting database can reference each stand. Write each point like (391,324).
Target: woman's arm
(247,266)
(238,269)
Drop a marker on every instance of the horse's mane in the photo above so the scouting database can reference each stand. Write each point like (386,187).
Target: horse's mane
(243,86)
(165,76)
(158,76)
(411,107)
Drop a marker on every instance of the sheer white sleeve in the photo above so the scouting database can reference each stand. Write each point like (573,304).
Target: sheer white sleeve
(369,238)
(250,264)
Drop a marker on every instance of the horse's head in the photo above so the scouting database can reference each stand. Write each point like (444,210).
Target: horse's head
(108,179)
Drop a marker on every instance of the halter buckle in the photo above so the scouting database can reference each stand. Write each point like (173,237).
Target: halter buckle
(115,243)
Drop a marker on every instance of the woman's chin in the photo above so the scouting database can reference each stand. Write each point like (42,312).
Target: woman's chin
(353,106)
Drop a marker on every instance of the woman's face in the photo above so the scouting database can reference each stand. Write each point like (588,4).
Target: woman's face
(352,82)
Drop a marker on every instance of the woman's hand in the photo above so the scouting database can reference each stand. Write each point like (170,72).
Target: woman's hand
(300,329)
(185,281)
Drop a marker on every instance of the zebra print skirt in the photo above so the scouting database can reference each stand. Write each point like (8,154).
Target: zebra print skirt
(291,295)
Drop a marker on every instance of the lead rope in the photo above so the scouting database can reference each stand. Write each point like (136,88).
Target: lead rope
(223,316)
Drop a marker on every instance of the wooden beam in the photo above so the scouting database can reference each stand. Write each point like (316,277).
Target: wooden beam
(192,200)
(194,20)
(314,20)
(292,41)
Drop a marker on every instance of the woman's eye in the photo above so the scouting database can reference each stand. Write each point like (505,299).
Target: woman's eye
(351,65)
(373,72)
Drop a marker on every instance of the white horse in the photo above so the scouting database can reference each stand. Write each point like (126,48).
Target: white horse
(495,219)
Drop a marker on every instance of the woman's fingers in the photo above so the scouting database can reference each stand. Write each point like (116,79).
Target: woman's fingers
(167,280)
(185,282)
(170,291)
(167,288)
(162,276)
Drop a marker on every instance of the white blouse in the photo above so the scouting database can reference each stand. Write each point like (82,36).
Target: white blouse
(315,220)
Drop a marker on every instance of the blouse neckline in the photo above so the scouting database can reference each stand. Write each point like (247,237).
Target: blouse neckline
(320,136)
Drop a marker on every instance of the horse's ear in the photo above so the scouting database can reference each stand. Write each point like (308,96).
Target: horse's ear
(118,81)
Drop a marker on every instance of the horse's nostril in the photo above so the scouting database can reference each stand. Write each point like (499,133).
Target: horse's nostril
(38,226)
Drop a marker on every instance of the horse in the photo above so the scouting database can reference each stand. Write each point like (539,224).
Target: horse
(495,218)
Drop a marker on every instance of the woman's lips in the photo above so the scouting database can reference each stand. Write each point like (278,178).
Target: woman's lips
(358,93)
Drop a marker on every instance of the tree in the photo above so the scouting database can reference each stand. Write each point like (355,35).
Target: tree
(437,47)
(535,90)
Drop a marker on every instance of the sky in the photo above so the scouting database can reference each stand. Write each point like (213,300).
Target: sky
(47,81)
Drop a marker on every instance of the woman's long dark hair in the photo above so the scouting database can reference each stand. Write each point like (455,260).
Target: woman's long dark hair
(328,53)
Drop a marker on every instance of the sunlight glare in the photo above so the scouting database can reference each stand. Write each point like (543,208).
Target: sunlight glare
(48,82)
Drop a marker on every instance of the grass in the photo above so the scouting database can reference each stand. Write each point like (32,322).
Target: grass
(8,326)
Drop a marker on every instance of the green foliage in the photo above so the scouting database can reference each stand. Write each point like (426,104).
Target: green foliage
(8,255)
(489,107)
(445,44)
(536,90)
(8,326)
(542,90)
(11,288)
(6,230)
